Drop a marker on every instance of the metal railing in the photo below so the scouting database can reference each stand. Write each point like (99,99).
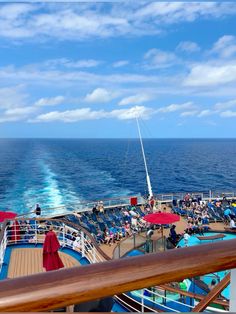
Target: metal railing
(33,231)
(169,197)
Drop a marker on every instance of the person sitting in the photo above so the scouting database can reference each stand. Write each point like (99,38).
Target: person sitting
(127,228)
(189,228)
(115,232)
(227,213)
(232,224)
(107,237)
(200,226)
(173,235)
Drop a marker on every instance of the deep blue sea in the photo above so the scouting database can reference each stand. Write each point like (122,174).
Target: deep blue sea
(54,172)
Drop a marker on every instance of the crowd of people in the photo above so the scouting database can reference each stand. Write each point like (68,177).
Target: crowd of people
(131,221)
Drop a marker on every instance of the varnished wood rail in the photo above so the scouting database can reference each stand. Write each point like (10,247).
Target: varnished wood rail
(212,294)
(193,295)
(59,288)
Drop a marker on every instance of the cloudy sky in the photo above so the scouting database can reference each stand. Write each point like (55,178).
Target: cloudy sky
(88,69)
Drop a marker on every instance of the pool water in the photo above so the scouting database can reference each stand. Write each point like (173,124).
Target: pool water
(193,240)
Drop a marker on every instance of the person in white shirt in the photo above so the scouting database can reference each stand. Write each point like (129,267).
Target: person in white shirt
(232,224)
(186,238)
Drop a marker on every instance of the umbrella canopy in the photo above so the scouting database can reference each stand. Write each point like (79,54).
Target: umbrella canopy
(51,258)
(7,215)
(161,218)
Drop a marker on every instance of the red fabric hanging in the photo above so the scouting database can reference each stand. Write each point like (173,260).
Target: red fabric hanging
(51,258)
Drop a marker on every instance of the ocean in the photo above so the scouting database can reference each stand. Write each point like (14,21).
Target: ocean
(58,172)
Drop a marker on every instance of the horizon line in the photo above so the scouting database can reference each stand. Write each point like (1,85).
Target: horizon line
(119,138)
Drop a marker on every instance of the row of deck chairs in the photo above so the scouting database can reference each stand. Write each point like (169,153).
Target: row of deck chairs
(216,214)
(96,223)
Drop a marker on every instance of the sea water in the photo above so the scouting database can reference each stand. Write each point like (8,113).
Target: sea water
(58,172)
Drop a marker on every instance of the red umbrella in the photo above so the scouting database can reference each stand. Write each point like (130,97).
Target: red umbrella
(51,258)
(161,218)
(7,215)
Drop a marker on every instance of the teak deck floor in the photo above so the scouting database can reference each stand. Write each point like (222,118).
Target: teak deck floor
(28,261)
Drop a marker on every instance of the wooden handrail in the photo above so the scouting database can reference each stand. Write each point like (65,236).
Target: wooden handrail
(193,295)
(54,289)
(212,294)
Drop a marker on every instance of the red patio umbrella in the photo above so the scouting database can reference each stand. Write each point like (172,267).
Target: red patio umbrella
(51,258)
(7,215)
(161,219)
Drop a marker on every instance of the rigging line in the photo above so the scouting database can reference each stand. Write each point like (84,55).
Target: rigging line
(145,163)
(144,126)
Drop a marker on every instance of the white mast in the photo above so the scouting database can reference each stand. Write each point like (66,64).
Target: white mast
(145,163)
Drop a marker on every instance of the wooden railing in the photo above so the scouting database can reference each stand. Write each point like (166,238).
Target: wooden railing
(213,294)
(192,295)
(79,284)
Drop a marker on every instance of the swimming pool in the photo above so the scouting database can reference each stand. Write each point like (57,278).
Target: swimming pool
(193,240)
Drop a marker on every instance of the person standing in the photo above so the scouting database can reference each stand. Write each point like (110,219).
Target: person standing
(37,210)
(186,238)
(51,245)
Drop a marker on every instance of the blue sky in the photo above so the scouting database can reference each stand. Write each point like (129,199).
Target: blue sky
(88,69)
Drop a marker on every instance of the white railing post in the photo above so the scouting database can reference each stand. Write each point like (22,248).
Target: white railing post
(36,232)
(142,301)
(94,255)
(82,244)
(232,299)
(63,235)
(3,248)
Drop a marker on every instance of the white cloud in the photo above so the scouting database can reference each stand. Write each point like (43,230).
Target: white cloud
(13,96)
(70,115)
(225,47)
(78,21)
(16,114)
(67,63)
(188,46)
(189,113)
(174,12)
(135,99)
(157,58)
(60,77)
(88,114)
(120,63)
(99,95)
(132,113)
(176,107)
(225,105)
(205,113)
(213,74)
(53,101)
(15,10)
(228,114)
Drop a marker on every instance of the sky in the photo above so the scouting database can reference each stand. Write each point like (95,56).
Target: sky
(88,70)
